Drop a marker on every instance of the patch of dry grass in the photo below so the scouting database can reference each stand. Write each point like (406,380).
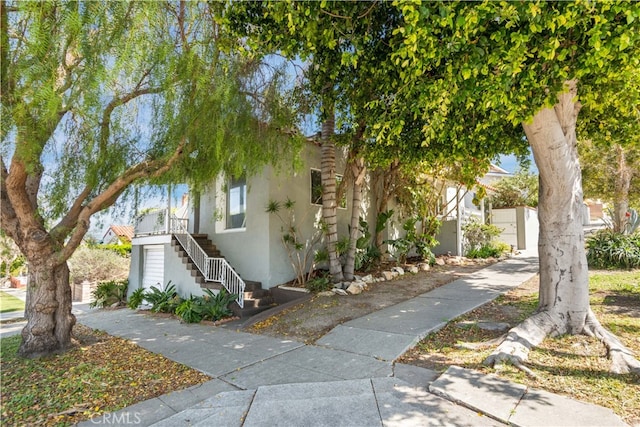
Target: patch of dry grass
(574,366)
(101,374)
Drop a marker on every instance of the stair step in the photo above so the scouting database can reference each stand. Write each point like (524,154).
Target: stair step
(256,299)
(259,302)
(259,293)
(214,286)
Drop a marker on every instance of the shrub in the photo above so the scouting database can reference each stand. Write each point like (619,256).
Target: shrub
(163,301)
(95,265)
(477,234)
(109,293)
(494,249)
(422,242)
(607,249)
(319,284)
(136,298)
(123,250)
(190,310)
(216,306)
(518,190)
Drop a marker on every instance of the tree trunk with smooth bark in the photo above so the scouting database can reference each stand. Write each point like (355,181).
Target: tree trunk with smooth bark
(621,191)
(564,277)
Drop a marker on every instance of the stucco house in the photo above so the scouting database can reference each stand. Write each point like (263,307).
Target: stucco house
(241,241)
(225,236)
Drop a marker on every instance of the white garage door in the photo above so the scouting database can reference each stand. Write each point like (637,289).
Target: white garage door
(153,269)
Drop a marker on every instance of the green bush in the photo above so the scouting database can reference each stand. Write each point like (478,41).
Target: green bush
(97,265)
(494,250)
(123,250)
(607,249)
(109,293)
(319,284)
(477,234)
(216,306)
(422,242)
(190,310)
(163,301)
(136,298)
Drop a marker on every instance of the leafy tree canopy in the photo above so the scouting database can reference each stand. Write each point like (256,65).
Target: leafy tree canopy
(518,190)
(473,72)
(98,95)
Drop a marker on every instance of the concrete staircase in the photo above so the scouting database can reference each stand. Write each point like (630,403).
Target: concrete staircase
(256,299)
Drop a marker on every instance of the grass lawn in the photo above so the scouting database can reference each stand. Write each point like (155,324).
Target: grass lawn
(10,303)
(574,366)
(101,374)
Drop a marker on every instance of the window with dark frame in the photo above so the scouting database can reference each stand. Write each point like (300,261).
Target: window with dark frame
(236,202)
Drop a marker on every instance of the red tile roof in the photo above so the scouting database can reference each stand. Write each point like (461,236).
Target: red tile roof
(124,232)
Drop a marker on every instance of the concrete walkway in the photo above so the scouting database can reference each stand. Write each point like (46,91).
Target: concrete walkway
(349,377)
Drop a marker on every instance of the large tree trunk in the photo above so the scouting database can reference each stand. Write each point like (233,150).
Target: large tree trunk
(621,191)
(50,320)
(564,279)
(329,203)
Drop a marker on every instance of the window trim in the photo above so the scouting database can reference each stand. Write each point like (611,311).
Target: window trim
(228,220)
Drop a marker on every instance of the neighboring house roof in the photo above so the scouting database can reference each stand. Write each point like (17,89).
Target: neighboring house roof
(486,186)
(123,232)
(497,170)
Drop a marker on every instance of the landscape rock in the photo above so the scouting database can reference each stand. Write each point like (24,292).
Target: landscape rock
(398,270)
(440,261)
(413,269)
(388,275)
(339,291)
(354,289)
(454,260)
(424,266)
(368,278)
(326,294)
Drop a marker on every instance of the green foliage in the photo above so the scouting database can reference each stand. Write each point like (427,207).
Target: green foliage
(490,250)
(607,249)
(301,249)
(601,166)
(633,222)
(94,265)
(216,306)
(136,298)
(210,306)
(421,242)
(477,234)
(518,190)
(190,310)
(163,300)
(16,266)
(319,284)
(106,294)
(123,250)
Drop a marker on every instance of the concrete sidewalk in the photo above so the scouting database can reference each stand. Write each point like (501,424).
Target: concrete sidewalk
(349,377)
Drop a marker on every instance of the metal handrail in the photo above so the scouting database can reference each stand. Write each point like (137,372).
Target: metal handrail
(213,269)
(157,222)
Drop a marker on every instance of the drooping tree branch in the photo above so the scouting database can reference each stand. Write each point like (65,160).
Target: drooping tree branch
(147,169)
(68,222)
